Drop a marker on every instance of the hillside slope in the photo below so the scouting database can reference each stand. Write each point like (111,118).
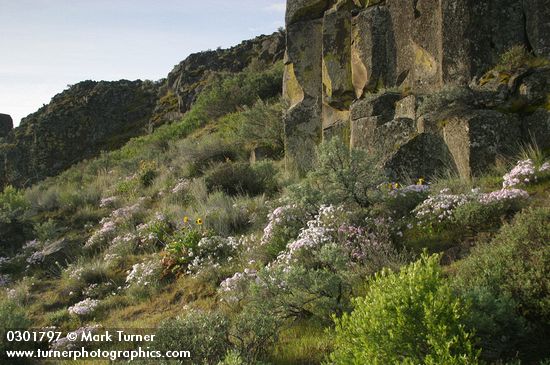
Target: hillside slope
(91,117)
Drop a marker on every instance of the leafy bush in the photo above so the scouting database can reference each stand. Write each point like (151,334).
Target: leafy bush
(181,248)
(240,178)
(46,230)
(500,331)
(205,335)
(516,262)
(511,271)
(147,172)
(410,317)
(253,332)
(477,217)
(347,176)
(208,153)
(14,223)
(258,126)
(12,316)
(13,205)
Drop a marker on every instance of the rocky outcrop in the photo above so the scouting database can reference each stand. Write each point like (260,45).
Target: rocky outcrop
(342,53)
(6,125)
(189,77)
(77,124)
(91,117)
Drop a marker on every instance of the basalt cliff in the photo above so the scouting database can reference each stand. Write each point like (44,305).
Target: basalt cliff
(415,80)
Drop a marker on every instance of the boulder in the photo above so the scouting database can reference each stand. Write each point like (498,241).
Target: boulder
(406,107)
(477,137)
(362,129)
(302,89)
(6,125)
(424,155)
(380,137)
(425,41)
(332,117)
(402,19)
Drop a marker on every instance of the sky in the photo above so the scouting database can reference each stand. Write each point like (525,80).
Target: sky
(46,45)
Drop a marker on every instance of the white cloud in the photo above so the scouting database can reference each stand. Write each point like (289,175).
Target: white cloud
(278,7)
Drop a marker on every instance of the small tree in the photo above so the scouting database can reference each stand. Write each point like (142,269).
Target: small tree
(410,317)
(346,175)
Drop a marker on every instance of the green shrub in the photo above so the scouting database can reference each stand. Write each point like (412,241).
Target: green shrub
(209,153)
(259,126)
(14,222)
(499,329)
(511,272)
(147,173)
(13,205)
(347,176)
(515,262)
(46,230)
(232,358)
(13,317)
(410,317)
(476,217)
(205,335)
(254,332)
(176,255)
(240,178)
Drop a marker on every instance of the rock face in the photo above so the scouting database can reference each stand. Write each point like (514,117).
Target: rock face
(6,125)
(77,124)
(188,78)
(341,55)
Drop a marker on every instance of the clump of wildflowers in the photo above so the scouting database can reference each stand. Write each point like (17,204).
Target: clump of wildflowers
(109,225)
(84,307)
(36,258)
(503,195)
(211,252)
(439,208)
(414,189)
(181,186)
(155,231)
(282,222)
(522,173)
(319,231)
(145,273)
(108,202)
(233,289)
